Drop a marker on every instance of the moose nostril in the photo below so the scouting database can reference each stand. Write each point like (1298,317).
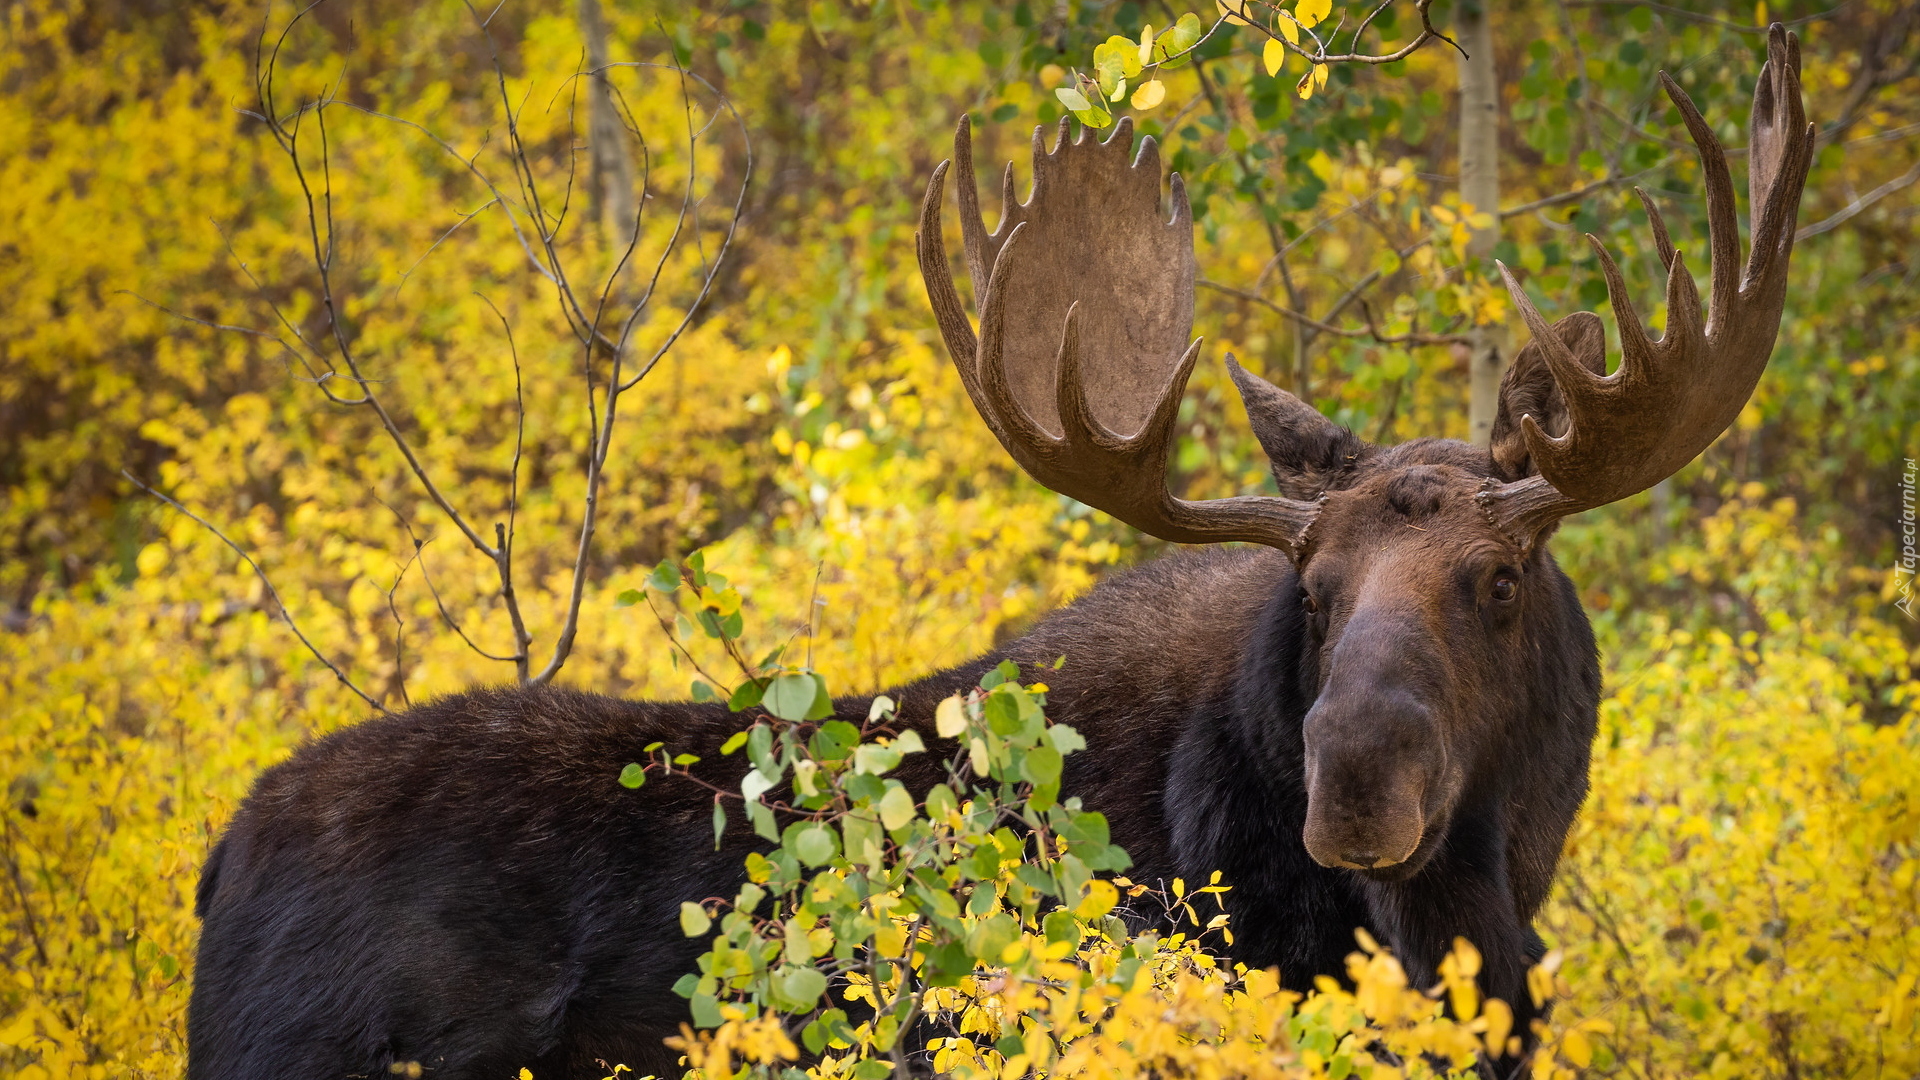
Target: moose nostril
(1362,859)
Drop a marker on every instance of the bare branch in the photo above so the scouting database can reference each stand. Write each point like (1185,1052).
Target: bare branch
(1612,180)
(504,532)
(1898,183)
(400,630)
(1319,54)
(265,582)
(1411,337)
(1709,20)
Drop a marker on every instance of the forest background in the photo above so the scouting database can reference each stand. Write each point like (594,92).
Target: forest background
(1739,897)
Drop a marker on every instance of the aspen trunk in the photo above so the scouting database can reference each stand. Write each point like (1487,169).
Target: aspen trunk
(1480,187)
(610,187)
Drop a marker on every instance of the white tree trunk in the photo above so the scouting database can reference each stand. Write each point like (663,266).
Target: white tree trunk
(1480,187)
(610,189)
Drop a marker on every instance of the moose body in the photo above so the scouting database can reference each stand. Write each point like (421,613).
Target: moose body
(1379,718)
(468,886)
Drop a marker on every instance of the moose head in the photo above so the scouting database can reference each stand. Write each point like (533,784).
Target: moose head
(1422,571)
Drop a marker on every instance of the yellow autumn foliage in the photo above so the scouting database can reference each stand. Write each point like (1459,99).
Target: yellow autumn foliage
(1739,897)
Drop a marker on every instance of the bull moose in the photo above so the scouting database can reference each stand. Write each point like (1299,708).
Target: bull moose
(1375,713)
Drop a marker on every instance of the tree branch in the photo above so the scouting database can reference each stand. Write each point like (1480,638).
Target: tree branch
(1898,183)
(266,583)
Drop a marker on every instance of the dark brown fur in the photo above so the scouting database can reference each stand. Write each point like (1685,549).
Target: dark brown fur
(466,885)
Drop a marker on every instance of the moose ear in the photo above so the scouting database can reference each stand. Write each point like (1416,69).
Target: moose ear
(1528,389)
(1310,453)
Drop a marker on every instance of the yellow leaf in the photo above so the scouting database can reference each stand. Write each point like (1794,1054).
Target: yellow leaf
(1310,12)
(1231,10)
(950,718)
(1575,1048)
(1499,1025)
(1319,76)
(1100,899)
(1288,28)
(1151,93)
(1305,86)
(1273,54)
(1146,45)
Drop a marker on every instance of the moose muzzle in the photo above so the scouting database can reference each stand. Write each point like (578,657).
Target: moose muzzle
(1375,759)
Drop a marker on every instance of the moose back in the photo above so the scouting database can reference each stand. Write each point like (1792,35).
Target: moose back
(1376,715)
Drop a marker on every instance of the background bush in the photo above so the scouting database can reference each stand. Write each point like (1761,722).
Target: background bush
(1739,896)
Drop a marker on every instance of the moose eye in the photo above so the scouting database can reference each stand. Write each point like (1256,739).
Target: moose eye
(1308,603)
(1505,589)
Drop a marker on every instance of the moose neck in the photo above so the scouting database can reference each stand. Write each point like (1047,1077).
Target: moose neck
(1191,677)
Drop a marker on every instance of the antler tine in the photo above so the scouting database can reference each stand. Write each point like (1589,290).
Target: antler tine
(1673,396)
(931,248)
(1088,268)
(998,404)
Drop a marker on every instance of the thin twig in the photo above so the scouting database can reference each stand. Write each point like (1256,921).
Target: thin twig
(1583,191)
(1412,337)
(1898,183)
(1709,20)
(265,583)
(504,532)
(400,630)
(1319,55)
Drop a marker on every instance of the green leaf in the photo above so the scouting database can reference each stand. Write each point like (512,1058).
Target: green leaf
(628,598)
(896,808)
(719,824)
(822,701)
(694,920)
(814,845)
(706,1011)
(703,692)
(801,986)
(1042,766)
(1072,99)
(665,577)
(1065,739)
(757,783)
(991,937)
(762,820)
(941,802)
(697,564)
(633,775)
(684,987)
(734,741)
(873,1069)
(1003,713)
(791,696)
(834,739)
(760,748)
(874,759)
(1060,925)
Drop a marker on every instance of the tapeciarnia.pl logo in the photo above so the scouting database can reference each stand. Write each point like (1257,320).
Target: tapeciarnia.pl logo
(1907,560)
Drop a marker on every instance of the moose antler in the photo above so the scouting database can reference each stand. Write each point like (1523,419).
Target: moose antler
(1085,294)
(1672,397)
